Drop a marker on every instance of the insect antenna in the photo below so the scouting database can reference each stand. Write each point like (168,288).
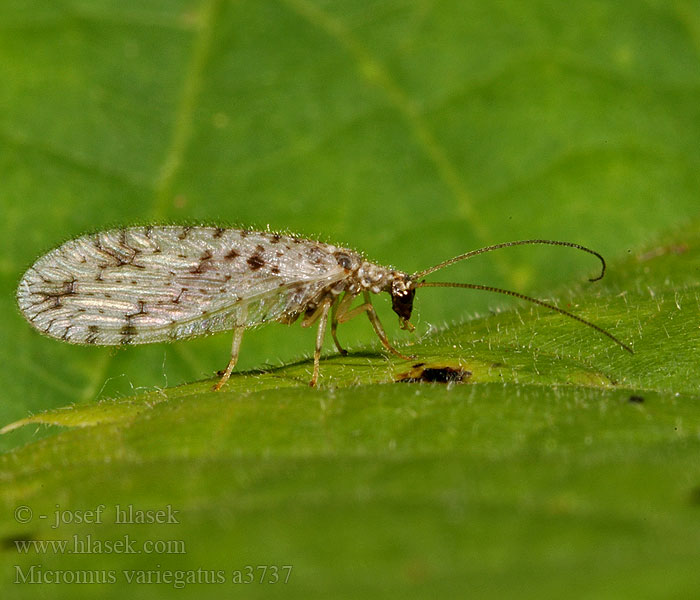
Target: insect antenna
(487,288)
(473,253)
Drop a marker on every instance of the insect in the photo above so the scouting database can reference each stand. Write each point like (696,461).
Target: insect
(146,284)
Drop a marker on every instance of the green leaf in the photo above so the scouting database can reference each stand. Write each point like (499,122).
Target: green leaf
(412,132)
(558,449)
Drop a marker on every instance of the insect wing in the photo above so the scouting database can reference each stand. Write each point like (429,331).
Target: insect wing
(150,284)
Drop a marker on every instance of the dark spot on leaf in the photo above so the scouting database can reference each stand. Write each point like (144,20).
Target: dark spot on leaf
(636,399)
(232,254)
(420,373)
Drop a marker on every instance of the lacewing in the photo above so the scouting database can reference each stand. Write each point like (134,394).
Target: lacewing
(138,285)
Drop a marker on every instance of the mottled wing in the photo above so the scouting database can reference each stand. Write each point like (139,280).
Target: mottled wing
(150,284)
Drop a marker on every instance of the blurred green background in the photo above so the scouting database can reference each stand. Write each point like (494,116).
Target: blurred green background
(412,131)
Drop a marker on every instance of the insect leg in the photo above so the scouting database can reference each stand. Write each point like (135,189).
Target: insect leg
(374,319)
(340,306)
(379,330)
(321,314)
(235,347)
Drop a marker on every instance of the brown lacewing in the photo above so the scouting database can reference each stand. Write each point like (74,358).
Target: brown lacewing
(138,285)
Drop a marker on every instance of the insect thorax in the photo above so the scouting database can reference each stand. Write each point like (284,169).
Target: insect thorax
(364,276)
(375,278)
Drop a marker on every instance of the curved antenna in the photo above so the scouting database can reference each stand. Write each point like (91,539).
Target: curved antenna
(451,261)
(488,288)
